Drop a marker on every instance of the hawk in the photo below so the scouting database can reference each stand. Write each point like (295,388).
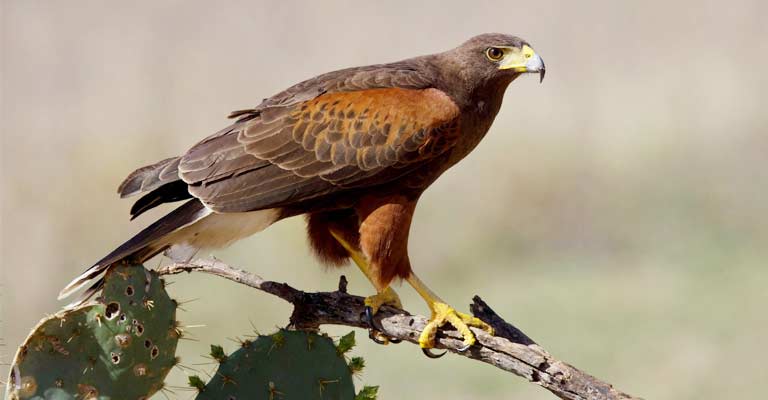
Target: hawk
(351,150)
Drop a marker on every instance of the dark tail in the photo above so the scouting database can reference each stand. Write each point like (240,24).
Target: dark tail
(160,182)
(151,177)
(145,245)
(167,193)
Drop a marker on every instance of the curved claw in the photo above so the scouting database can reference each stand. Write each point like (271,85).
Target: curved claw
(373,336)
(430,354)
(374,331)
(369,315)
(369,318)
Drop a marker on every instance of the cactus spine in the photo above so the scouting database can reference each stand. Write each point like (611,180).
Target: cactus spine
(120,346)
(285,365)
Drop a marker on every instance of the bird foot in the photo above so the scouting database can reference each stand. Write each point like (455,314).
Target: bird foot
(372,305)
(443,313)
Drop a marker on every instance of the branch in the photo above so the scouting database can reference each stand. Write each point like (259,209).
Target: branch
(510,349)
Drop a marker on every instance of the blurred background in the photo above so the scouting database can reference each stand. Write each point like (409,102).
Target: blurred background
(616,213)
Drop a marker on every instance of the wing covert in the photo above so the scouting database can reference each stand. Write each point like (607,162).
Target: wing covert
(332,142)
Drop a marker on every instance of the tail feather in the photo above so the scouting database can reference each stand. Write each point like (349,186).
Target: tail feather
(145,245)
(150,177)
(87,294)
(167,193)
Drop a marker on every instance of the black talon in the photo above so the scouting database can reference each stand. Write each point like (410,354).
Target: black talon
(369,318)
(369,315)
(373,336)
(374,331)
(430,354)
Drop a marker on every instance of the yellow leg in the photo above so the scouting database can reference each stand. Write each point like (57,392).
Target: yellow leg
(384,295)
(442,313)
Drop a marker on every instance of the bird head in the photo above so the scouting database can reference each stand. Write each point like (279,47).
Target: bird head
(492,58)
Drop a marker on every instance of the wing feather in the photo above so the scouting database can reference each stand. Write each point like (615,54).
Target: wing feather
(341,130)
(333,142)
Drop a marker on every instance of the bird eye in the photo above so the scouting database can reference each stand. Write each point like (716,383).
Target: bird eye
(494,53)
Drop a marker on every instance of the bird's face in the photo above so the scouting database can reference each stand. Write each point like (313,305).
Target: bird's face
(497,57)
(515,60)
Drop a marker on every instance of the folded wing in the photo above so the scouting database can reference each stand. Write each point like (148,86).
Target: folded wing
(334,142)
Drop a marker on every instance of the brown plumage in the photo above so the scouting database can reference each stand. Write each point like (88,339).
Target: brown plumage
(333,142)
(352,150)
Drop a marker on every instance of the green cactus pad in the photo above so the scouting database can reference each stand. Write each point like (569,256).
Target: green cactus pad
(120,346)
(285,365)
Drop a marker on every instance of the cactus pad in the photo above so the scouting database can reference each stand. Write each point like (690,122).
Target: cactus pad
(285,365)
(120,346)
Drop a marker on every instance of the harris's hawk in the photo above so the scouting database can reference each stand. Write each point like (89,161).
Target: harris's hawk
(352,150)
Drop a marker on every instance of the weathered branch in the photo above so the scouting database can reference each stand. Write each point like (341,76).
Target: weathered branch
(510,349)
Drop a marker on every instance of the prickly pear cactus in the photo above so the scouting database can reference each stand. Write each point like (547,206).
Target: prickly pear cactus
(119,347)
(285,365)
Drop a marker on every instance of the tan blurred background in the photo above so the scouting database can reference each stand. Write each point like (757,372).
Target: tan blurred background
(617,213)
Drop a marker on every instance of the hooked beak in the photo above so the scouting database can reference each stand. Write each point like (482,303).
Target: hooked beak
(524,60)
(536,64)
